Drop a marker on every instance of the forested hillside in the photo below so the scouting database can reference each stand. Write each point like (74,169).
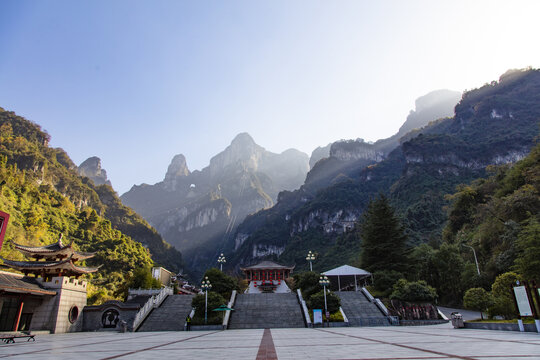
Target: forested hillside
(493,125)
(45,197)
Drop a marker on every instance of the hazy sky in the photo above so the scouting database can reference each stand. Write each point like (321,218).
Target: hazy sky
(136,82)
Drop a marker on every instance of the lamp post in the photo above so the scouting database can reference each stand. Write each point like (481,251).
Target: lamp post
(323,280)
(221,260)
(310,257)
(475,259)
(206,286)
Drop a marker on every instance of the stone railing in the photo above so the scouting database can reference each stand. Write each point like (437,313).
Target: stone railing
(228,312)
(345,320)
(304,309)
(152,303)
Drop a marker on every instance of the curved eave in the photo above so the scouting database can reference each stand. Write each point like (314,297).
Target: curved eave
(36,266)
(22,290)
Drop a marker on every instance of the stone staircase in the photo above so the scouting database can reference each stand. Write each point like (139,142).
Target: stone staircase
(261,311)
(170,316)
(360,311)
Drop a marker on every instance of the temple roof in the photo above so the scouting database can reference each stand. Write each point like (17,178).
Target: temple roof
(49,268)
(53,251)
(267,265)
(15,283)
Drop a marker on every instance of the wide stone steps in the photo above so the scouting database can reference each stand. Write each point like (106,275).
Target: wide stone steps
(261,311)
(170,316)
(360,311)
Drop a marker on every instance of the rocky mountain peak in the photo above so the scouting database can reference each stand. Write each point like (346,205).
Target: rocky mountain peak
(177,169)
(91,168)
(242,149)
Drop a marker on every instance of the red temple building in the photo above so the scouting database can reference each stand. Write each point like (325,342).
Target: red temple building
(267,276)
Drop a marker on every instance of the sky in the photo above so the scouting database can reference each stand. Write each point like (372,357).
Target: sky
(136,82)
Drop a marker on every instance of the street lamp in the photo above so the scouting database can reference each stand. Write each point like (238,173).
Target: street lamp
(475,259)
(221,260)
(310,257)
(206,286)
(323,280)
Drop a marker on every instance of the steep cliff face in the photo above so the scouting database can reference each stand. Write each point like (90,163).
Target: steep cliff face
(198,211)
(91,168)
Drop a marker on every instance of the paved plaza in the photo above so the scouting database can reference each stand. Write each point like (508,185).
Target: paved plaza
(417,342)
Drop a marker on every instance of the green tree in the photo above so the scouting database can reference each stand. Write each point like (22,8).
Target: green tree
(307,282)
(142,279)
(414,291)
(222,283)
(503,299)
(383,239)
(528,263)
(477,299)
(449,266)
(383,281)
(215,300)
(316,301)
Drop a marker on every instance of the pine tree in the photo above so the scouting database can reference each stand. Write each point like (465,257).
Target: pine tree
(383,239)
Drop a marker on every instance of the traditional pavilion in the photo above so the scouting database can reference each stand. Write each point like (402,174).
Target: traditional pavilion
(347,278)
(267,276)
(53,298)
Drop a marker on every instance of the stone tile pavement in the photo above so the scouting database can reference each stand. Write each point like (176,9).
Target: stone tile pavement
(381,343)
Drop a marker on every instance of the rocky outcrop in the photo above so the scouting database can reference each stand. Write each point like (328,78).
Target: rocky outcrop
(177,170)
(330,222)
(352,150)
(91,168)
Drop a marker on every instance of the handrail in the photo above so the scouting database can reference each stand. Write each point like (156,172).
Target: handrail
(153,302)
(381,306)
(345,319)
(304,308)
(228,312)
(367,294)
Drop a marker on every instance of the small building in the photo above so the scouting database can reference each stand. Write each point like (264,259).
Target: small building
(164,276)
(267,276)
(53,298)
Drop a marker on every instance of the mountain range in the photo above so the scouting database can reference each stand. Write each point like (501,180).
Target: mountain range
(198,211)
(493,125)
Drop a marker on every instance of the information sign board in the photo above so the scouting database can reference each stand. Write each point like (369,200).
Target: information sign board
(522,301)
(317,316)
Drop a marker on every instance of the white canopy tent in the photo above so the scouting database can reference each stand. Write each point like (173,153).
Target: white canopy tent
(347,272)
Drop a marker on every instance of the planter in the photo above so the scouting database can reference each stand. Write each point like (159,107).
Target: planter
(206,327)
(421,322)
(499,326)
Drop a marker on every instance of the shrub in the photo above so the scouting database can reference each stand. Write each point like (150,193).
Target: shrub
(214,301)
(414,291)
(477,299)
(308,282)
(316,301)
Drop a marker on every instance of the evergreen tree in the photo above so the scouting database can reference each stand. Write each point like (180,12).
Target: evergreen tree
(383,239)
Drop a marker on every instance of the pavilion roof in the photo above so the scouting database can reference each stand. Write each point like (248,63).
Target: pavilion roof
(16,283)
(345,270)
(57,250)
(51,268)
(267,265)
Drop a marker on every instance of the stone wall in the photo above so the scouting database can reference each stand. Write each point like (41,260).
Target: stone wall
(93,315)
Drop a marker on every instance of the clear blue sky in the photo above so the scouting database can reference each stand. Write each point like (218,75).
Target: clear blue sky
(136,82)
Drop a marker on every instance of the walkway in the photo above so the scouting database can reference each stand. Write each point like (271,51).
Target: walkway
(382,343)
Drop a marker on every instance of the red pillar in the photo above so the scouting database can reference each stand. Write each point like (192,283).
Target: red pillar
(19,313)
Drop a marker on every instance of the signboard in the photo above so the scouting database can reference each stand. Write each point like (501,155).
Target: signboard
(522,301)
(317,316)
(4,218)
